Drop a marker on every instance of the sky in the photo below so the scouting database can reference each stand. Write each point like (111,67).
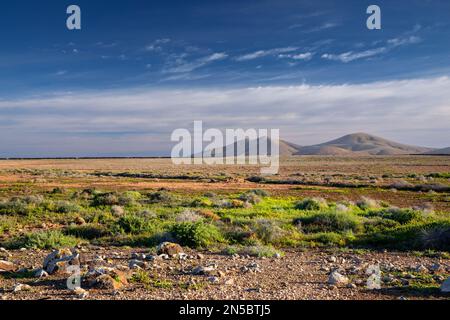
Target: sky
(138,69)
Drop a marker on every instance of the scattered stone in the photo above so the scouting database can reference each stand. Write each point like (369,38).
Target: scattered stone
(204,270)
(277,255)
(59,260)
(114,280)
(335,278)
(81,293)
(252,267)
(351,286)
(6,266)
(21,287)
(229,282)
(79,221)
(40,273)
(445,287)
(213,279)
(200,256)
(169,248)
(164,256)
(137,264)
(436,268)
(138,256)
(373,283)
(332,259)
(421,269)
(182,256)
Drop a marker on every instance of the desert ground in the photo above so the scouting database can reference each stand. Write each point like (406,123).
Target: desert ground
(147,229)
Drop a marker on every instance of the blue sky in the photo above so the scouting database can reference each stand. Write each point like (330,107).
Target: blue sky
(97,91)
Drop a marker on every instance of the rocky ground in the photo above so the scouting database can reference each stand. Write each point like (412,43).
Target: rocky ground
(178,273)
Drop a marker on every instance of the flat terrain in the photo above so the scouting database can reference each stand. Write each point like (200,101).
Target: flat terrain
(318,215)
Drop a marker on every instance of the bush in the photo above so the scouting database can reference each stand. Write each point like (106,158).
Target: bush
(66,207)
(437,237)
(250,197)
(196,234)
(434,235)
(367,203)
(134,224)
(329,222)
(201,202)
(402,216)
(162,196)
(327,238)
(129,198)
(14,206)
(254,251)
(267,230)
(87,231)
(311,204)
(188,216)
(45,240)
(105,199)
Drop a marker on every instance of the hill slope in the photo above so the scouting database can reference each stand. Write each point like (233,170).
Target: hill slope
(361,144)
(439,151)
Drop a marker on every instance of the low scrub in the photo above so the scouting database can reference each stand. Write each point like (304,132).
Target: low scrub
(44,240)
(196,235)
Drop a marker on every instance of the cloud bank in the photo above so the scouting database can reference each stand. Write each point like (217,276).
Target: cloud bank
(139,122)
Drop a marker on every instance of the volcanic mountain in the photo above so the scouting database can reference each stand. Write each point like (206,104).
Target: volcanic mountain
(361,144)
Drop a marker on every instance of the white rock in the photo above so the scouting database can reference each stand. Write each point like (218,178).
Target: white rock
(81,293)
(336,278)
(21,287)
(41,273)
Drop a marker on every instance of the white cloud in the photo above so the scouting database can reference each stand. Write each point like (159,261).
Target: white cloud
(410,111)
(182,66)
(264,53)
(300,56)
(350,56)
(390,44)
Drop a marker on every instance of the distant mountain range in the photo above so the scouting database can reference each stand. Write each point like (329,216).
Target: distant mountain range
(355,144)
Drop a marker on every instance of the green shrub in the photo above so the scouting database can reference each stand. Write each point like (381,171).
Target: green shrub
(196,234)
(329,222)
(105,199)
(402,216)
(162,196)
(66,207)
(134,224)
(267,230)
(45,240)
(327,238)
(129,198)
(311,204)
(87,231)
(254,251)
(250,197)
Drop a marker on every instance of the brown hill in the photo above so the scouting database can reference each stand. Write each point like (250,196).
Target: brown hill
(361,144)
(444,151)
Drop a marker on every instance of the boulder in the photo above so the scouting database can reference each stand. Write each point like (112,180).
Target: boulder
(169,248)
(6,266)
(335,278)
(115,280)
(59,260)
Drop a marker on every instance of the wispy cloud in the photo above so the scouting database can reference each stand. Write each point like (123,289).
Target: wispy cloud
(299,56)
(324,26)
(157,45)
(264,53)
(183,66)
(349,56)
